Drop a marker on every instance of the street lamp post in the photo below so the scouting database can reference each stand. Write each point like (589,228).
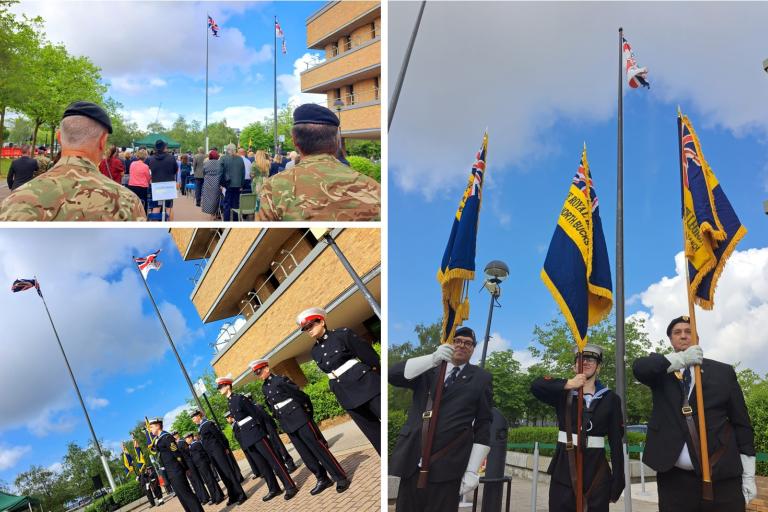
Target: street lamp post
(495,272)
(338,105)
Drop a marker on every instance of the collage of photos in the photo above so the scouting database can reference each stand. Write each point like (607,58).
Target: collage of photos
(542,287)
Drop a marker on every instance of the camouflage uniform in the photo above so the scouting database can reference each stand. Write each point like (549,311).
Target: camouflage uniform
(320,188)
(73,189)
(43,164)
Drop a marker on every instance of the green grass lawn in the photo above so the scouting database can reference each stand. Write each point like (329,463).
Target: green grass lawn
(5,163)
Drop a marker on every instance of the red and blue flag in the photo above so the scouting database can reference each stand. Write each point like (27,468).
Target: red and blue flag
(20,285)
(213,26)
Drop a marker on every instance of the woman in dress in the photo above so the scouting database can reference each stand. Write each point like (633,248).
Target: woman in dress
(211,185)
(139,177)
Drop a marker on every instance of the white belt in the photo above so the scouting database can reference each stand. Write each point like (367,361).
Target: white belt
(335,374)
(592,441)
(283,403)
(244,421)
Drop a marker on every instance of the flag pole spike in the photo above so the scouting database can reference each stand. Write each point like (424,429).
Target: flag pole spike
(679,112)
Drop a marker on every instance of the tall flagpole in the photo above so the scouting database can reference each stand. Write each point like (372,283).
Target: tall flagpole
(275,88)
(170,340)
(404,66)
(206,83)
(621,382)
(80,397)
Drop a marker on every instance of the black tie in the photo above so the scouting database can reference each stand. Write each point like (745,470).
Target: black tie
(452,376)
(687,380)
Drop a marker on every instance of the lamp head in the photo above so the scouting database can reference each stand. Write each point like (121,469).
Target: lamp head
(496,271)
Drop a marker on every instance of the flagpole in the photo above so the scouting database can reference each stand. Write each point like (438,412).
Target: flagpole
(275,88)
(79,397)
(404,66)
(706,478)
(579,452)
(206,84)
(170,340)
(621,380)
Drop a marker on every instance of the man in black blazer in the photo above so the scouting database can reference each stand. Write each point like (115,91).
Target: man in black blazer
(462,436)
(672,446)
(203,463)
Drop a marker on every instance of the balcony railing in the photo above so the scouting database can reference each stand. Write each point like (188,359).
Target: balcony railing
(349,45)
(201,265)
(359,96)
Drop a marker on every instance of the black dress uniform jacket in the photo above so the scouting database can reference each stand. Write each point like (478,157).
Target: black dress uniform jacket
(602,418)
(359,384)
(728,423)
(176,468)
(466,405)
(252,431)
(294,414)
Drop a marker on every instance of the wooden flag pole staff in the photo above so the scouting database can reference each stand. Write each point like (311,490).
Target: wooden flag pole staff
(579,452)
(706,477)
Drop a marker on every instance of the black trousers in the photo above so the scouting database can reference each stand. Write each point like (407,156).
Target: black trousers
(198,190)
(235,467)
(435,497)
(224,468)
(214,491)
(252,463)
(562,499)
(197,485)
(270,465)
(315,453)
(680,491)
(148,493)
(274,438)
(186,497)
(367,417)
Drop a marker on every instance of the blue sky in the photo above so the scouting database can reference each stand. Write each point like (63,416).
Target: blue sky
(153,54)
(109,329)
(542,95)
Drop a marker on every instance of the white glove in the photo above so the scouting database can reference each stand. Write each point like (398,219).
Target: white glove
(688,357)
(748,486)
(418,365)
(471,480)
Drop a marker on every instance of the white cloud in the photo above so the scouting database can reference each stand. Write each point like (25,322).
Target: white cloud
(132,84)
(142,117)
(736,330)
(519,80)
(214,89)
(138,387)
(196,361)
(96,403)
(98,304)
(9,456)
(56,467)
(291,84)
(170,416)
(241,116)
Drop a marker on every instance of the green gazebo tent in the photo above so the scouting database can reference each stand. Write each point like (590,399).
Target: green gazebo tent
(11,503)
(149,141)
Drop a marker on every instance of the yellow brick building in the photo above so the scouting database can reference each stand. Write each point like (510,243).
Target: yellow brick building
(350,34)
(266,277)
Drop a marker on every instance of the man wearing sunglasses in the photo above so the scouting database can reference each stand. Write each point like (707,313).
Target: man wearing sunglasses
(293,409)
(673,442)
(601,417)
(462,435)
(352,366)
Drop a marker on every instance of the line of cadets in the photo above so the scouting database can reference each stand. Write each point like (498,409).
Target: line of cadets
(353,369)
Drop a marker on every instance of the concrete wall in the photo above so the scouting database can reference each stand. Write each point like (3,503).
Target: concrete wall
(338,16)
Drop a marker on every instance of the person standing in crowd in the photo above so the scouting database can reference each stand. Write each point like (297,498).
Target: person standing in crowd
(232,171)
(74,189)
(602,417)
(128,159)
(462,436)
(185,172)
(211,186)
(198,171)
(203,465)
(192,475)
(217,448)
(673,445)
(148,481)
(293,409)
(111,166)
(292,160)
(352,366)
(22,169)
(247,174)
(259,170)
(276,440)
(236,432)
(168,452)
(43,162)
(163,167)
(139,178)
(277,165)
(320,187)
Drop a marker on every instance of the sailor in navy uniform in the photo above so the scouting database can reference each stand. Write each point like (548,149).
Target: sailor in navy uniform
(602,417)
(165,446)
(251,419)
(277,441)
(352,366)
(192,474)
(236,432)
(217,446)
(202,463)
(293,409)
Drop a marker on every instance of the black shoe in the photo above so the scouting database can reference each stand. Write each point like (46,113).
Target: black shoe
(217,501)
(291,467)
(321,486)
(230,503)
(242,500)
(272,494)
(291,492)
(342,485)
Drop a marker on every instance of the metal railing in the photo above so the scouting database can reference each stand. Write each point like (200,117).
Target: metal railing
(200,266)
(350,44)
(359,96)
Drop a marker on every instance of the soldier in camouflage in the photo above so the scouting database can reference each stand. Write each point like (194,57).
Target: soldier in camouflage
(319,187)
(43,162)
(74,189)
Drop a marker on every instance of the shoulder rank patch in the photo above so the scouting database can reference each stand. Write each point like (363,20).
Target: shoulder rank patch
(174,447)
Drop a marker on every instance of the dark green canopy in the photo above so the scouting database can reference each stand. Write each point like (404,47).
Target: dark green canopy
(149,141)
(11,503)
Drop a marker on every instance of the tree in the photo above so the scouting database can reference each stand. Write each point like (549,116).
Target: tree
(261,134)
(156,127)
(510,385)
(367,148)
(219,135)
(123,132)
(43,484)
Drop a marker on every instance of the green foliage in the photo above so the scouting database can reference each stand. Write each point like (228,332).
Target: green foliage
(548,435)
(261,133)
(510,385)
(395,422)
(757,404)
(104,504)
(127,493)
(364,148)
(365,166)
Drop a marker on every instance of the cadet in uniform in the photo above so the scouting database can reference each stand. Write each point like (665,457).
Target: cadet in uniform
(170,457)
(352,366)
(462,436)
(217,446)
(43,162)
(602,417)
(319,187)
(236,432)
(253,432)
(293,409)
(148,481)
(673,443)
(203,465)
(277,442)
(75,189)
(192,474)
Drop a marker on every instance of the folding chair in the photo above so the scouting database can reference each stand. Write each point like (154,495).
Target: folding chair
(247,205)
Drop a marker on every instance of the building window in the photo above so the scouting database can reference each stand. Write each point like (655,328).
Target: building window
(347,43)
(291,254)
(351,97)
(334,50)
(373,30)
(376,88)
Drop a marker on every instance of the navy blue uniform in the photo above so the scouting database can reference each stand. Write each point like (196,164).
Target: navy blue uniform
(216,445)
(203,464)
(171,459)
(192,474)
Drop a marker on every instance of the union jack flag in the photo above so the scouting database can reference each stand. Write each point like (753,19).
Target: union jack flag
(689,153)
(285,50)
(148,263)
(20,285)
(583,180)
(213,26)
(278,30)
(635,76)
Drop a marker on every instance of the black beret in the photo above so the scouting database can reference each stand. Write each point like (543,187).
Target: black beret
(466,332)
(685,319)
(88,109)
(311,113)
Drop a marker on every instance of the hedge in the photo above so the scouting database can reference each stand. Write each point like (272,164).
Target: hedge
(548,435)
(395,423)
(123,495)
(365,166)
